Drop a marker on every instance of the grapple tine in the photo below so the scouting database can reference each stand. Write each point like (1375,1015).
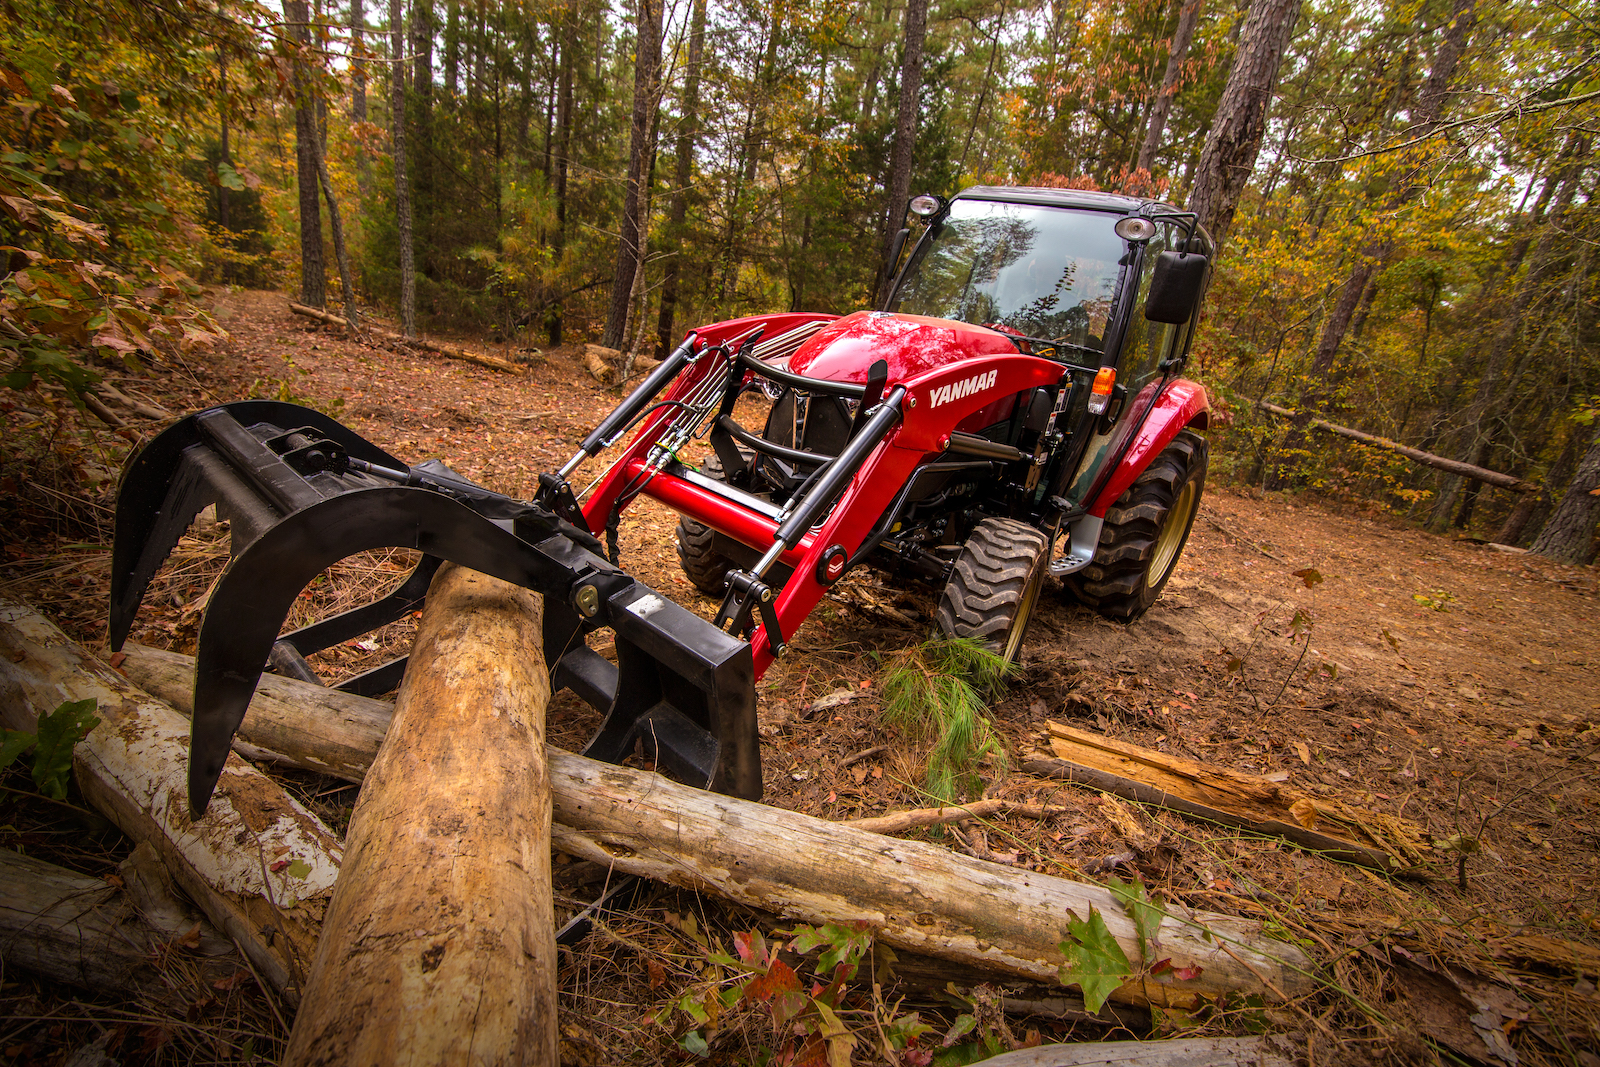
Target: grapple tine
(176,475)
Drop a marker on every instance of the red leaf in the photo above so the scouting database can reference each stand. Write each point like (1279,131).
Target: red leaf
(780,978)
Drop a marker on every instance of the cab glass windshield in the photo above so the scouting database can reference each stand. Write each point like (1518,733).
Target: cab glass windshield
(1043,272)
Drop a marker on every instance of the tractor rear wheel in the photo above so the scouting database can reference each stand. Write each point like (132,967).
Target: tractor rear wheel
(1145,531)
(995,585)
(705,567)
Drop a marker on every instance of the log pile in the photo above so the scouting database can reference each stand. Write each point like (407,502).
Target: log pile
(430,930)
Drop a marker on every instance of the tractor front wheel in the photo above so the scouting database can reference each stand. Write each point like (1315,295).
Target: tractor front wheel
(705,567)
(1144,532)
(995,585)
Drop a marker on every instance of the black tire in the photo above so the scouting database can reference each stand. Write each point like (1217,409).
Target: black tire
(705,567)
(995,586)
(1145,531)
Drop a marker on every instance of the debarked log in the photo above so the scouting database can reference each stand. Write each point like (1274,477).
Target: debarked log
(439,944)
(917,897)
(259,865)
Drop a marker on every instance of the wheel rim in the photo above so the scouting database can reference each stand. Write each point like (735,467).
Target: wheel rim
(1019,622)
(1169,542)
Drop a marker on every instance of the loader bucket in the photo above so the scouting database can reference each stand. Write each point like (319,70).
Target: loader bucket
(302,492)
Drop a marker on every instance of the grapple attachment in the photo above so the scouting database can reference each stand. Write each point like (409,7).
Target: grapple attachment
(302,492)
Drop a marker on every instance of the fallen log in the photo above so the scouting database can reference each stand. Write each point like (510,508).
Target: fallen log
(1427,459)
(916,896)
(69,927)
(505,366)
(1224,796)
(291,722)
(1270,1051)
(260,866)
(439,944)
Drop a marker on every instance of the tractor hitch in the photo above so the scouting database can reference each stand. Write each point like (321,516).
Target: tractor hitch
(302,492)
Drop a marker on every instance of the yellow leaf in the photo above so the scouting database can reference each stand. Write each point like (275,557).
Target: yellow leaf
(1304,812)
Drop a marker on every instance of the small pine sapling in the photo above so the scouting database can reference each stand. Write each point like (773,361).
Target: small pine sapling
(940,690)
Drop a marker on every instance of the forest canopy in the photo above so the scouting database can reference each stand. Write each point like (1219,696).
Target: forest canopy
(1409,249)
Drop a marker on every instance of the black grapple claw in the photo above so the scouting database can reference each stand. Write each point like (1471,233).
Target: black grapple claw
(302,492)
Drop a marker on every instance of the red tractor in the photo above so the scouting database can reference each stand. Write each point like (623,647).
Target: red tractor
(1014,413)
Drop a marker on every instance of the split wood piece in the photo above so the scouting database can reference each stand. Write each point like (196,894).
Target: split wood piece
(918,897)
(1427,459)
(1220,795)
(1270,1051)
(899,821)
(449,351)
(69,927)
(439,944)
(260,866)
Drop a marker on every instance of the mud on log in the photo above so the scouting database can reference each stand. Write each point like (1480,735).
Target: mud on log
(917,897)
(439,944)
(260,866)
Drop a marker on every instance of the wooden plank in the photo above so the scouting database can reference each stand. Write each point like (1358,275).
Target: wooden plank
(1221,795)
(917,897)
(259,865)
(439,944)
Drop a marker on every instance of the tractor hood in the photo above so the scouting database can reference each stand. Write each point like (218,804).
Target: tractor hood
(843,350)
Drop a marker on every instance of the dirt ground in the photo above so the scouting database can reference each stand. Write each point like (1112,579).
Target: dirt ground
(1439,680)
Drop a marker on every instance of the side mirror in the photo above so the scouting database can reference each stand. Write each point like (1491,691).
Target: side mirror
(1175,287)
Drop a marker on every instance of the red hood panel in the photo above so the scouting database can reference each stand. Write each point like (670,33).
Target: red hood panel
(843,350)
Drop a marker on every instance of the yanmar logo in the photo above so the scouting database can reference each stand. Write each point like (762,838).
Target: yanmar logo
(956,390)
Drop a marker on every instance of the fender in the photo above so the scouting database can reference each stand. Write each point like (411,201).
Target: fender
(1182,404)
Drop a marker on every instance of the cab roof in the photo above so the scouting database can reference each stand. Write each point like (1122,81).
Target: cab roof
(1068,198)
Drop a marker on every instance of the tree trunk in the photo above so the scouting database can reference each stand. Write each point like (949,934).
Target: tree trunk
(313,283)
(630,246)
(358,91)
(1424,119)
(1569,535)
(439,944)
(562,162)
(917,897)
(1235,138)
(1188,19)
(452,50)
(683,173)
(336,227)
(898,188)
(402,185)
(133,768)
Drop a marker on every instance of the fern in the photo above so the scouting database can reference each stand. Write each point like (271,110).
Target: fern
(940,690)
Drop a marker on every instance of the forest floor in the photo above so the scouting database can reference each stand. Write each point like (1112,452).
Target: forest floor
(1446,682)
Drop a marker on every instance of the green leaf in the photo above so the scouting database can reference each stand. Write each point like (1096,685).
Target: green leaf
(298,869)
(14,743)
(693,1042)
(1095,963)
(59,731)
(1145,912)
